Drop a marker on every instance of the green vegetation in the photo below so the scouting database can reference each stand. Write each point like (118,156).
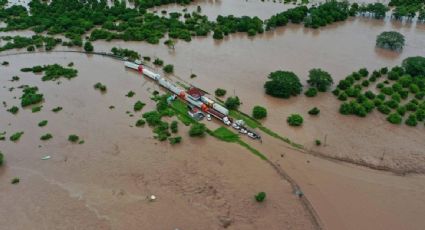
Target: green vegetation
(391,40)
(16,136)
(259,112)
(232,103)
(130,94)
(295,120)
(88,47)
(46,137)
(100,87)
(248,120)
(197,130)
(181,111)
(283,84)
(314,111)
(411,120)
(73,138)
(140,122)
(15,78)
(5,63)
(174,127)
(158,61)
(175,140)
(318,142)
(320,79)
(415,66)
(220,92)
(224,134)
(36,109)
(311,92)
(394,118)
(31,96)
(260,197)
(168,69)
(19,42)
(15,180)
(57,109)
(13,110)
(42,123)
(52,72)
(1,158)
(125,53)
(138,106)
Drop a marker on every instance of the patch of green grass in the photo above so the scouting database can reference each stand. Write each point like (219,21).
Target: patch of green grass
(181,110)
(16,136)
(42,123)
(248,120)
(251,149)
(225,134)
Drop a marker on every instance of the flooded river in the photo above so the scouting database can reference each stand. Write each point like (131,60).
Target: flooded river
(104,183)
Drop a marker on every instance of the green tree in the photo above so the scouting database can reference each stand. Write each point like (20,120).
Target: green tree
(197,130)
(415,66)
(320,79)
(88,47)
(232,103)
(260,197)
(283,84)
(295,120)
(390,40)
(220,92)
(259,112)
(168,68)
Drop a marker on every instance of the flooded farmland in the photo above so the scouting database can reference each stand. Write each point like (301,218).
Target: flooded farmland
(105,182)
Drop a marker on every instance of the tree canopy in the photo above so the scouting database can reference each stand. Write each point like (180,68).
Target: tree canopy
(390,40)
(320,79)
(415,66)
(283,84)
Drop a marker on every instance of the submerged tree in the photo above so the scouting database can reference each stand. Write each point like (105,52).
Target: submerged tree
(390,40)
(283,84)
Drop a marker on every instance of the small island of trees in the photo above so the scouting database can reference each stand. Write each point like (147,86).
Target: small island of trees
(390,40)
(283,84)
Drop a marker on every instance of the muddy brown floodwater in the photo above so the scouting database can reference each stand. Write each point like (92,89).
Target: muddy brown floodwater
(103,183)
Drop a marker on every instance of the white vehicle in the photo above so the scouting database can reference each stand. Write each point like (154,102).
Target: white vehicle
(208,117)
(235,126)
(243,131)
(251,135)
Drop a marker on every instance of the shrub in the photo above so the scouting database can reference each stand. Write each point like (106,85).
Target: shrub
(283,84)
(259,112)
(414,66)
(320,79)
(197,130)
(311,92)
(392,104)
(168,69)
(130,94)
(15,180)
(36,109)
(404,94)
(158,61)
(73,138)
(342,96)
(380,85)
(411,106)
(295,120)
(411,120)
(175,140)
(384,109)
(100,87)
(42,123)
(345,109)
(138,106)
(13,110)
(414,88)
(377,101)
(1,158)
(394,118)
(369,94)
(383,70)
(220,92)
(174,127)
(318,142)
(420,114)
(396,97)
(57,109)
(352,92)
(232,103)
(140,122)
(363,72)
(365,83)
(381,96)
(152,118)
(260,197)
(391,40)
(397,87)
(405,80)
(336,92)
(392,75)
(46,137)
(420,95)
(30,96)
(314,111)
(16,136)
(88,47)
(401,110)
(387,90)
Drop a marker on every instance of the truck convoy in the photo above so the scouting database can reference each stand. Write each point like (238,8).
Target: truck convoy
(194,97)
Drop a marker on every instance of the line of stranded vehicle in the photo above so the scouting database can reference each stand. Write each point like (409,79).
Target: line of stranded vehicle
(196,100)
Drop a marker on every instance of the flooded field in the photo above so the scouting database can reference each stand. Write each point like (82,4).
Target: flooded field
(104,183)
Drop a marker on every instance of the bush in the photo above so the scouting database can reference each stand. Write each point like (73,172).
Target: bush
(232,103)
(320,79)
(140,122)
(36,109)
(314,111)
(397,87)
(392,75)
(57,109)
(391,40)
(158,61)
(377,101)
(130,94)
(42,123)
(100,87)
(197,130)
(174,127)
(13,110)
(345,109)
(152,118)
(365,83)
(383,70)
(369,94)
(401,110)
(73,138)
(175,140)
(411,120)
(352,92)
(343,96)
(283,84)
(380,85)
(46,137)
(363,72)
(30,96)
(15,180)
(415,66)
(396,97)
(220,92)
(336,92)
(168,69)
(318,142)
(16,136)
(387,90)
(311,92)
(260,197)
(88,47)
(259,112)
(411,106)
(394,118)
(384,109)
(138,106)
(295,120)
(1,158)
(414,88)
(392,104)
(420,114)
